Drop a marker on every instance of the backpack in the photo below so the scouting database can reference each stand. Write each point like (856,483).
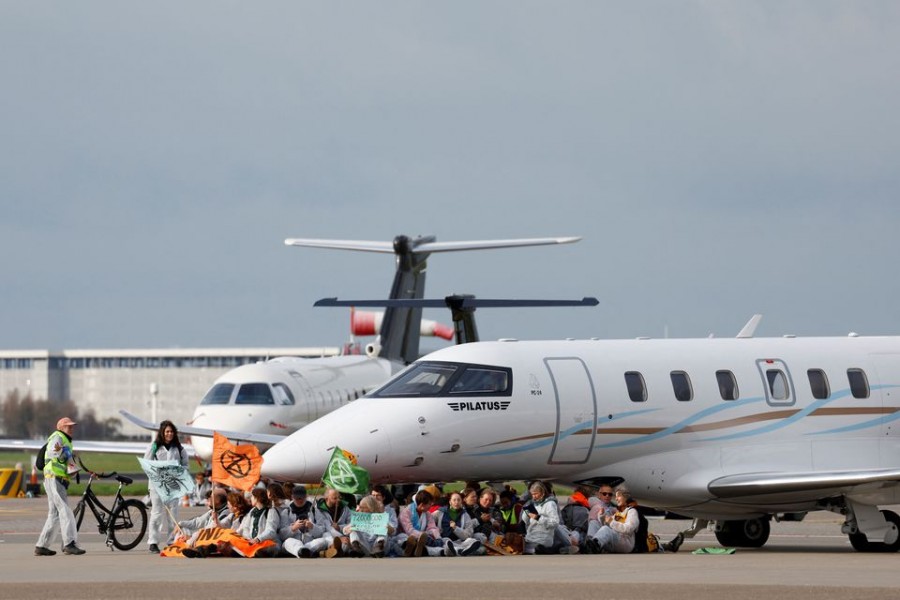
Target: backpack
(642,537)
(575,517)
(41,460)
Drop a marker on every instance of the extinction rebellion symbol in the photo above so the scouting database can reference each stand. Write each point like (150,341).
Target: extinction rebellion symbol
(236,465)
(340,473)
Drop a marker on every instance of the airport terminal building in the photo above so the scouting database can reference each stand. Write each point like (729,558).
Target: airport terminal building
(153,384)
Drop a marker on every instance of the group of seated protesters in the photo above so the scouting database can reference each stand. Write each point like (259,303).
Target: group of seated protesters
(428,523)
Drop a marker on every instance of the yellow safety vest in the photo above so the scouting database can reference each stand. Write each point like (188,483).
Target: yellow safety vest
(57,466)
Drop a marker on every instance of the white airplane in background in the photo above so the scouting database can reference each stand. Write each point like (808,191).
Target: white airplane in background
(264,402)
(731,431)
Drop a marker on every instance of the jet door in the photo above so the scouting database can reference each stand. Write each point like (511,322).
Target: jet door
(576,411)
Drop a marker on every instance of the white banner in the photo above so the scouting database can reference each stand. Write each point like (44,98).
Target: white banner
(375,523)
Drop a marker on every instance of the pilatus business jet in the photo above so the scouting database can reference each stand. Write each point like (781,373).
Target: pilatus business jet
(734,432)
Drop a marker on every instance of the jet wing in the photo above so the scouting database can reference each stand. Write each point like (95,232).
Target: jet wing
(259,438)
(137,448)
(765,484)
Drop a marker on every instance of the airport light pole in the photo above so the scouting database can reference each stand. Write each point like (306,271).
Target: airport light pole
(154,397)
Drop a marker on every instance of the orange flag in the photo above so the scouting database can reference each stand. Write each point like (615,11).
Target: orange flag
(235,466)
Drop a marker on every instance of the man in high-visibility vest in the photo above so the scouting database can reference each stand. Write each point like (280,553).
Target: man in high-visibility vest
(59,464)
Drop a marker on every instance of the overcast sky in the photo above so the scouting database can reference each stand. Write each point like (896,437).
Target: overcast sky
(718,158)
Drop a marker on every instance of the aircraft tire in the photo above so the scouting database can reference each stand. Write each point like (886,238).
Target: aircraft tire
(861,543)
(751,533)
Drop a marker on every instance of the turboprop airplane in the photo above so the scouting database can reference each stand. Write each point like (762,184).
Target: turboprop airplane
(734,432)
(264,402)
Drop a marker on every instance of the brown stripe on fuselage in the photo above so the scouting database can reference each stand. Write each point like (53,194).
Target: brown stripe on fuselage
(736,422)
(859,410)
(745,420)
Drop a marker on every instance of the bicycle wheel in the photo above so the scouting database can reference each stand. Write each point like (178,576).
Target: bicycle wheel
(128,524)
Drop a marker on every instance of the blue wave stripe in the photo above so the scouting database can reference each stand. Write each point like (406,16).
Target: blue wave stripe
(731,405)
(802,413)
(549,441)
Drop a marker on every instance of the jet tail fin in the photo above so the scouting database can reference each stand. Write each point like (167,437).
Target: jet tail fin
(399,336)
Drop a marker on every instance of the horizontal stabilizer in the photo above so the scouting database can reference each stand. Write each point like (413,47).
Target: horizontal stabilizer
(237,436)
(426,246)
(491,244)
(457,302)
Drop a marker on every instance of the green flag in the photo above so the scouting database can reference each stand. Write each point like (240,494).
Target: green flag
(344,476)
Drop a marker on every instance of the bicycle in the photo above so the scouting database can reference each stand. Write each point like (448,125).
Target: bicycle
(124,524)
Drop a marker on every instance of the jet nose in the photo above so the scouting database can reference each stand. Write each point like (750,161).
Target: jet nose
(286,461)
(203,446)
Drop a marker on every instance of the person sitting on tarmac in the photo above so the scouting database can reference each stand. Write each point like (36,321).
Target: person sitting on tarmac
(302,536)
(541,518)
(261,523)
(368,544)
(217,503)
(601,505)
(617,534)
(574,521)
(470,499)
(390,504)
(417,522)
(279,502)
(218,515)
(202,487)
(332,513)
(488,521)
(457,528)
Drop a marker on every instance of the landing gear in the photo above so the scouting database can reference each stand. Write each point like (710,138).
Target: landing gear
(752,533)
(891,542)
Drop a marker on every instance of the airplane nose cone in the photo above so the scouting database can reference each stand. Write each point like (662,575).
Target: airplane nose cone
(286,461)
(203,446)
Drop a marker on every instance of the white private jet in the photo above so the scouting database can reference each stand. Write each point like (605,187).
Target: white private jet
(731,431)
(264,402)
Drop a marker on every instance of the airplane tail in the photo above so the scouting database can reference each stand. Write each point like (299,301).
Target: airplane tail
(398,338)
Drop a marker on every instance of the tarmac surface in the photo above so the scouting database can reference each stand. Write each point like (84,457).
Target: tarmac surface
(805,560)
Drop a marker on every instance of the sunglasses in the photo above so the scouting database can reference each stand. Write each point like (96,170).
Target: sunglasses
(606,493)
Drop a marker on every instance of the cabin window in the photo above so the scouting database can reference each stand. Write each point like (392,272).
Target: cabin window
(681,385)
(218,394)
(859,384)
(637,391)
(728,387)
(254,393)
(818,384)
(778,386)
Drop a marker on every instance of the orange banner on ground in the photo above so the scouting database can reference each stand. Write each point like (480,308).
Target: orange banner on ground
(218,535)
(236,466)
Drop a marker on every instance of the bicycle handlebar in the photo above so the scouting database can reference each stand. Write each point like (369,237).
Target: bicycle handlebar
(96,474)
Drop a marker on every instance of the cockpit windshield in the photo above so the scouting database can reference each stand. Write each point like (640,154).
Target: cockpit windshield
(448,379)
(218,394)
(254,393)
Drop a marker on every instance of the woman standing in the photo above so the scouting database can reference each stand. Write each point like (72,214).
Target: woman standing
(165,447)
